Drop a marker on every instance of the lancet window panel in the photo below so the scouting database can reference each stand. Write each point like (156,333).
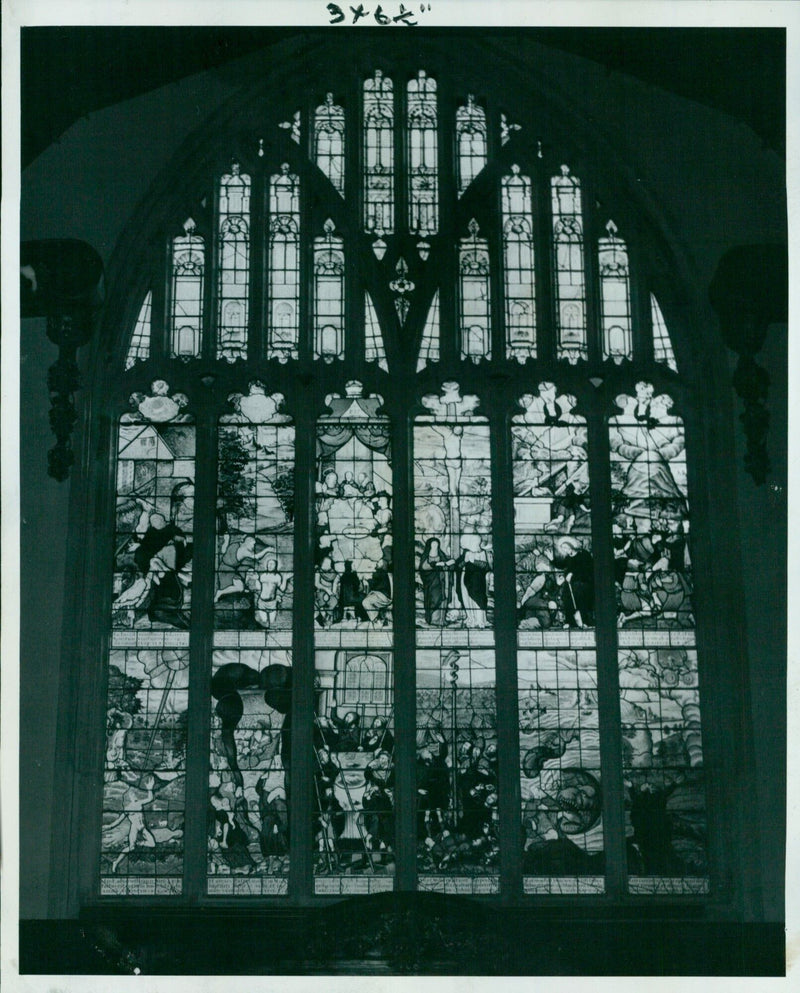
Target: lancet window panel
(475,312)
(615,296)
(423,154)
(518,266)
(659,700)
(233,265)
(378,154)
(569,266)
(188,280)
(560,768)
(471,153)
(329,295)
(329,141)
(457,813)
(283,255)
(144,776)
(353,741)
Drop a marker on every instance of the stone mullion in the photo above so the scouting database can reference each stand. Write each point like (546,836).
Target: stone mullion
(606,641)
(404,655)
(505,627)
(200,654)
(300,775)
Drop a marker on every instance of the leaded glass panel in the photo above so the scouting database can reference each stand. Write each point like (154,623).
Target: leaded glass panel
(557,670)
(188,273)
(353,734)
(518,266)
(570,277)
(651,519)
(250,772)
(148,662)
(659,701)
(378,154)
(423,167)
(457,782)
(470,141)
(233,265)
(329,133)
(255,513)
(249,779)
(284,265)
(475,296)
(615,296)
(329,295)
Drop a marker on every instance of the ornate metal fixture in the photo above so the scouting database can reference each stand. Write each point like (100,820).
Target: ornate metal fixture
(62,280)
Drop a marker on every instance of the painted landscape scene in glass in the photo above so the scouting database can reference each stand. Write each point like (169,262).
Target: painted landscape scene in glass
(659,696)
(148,662)
(457,780)
(353,595)
(560,777)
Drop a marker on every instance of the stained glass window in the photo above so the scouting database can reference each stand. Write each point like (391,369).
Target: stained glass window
(659,699)
(557,668)
(233,265)
(474,300)
(662,345)
(570,275)
(378,154)
(139,348)
(284,265)
(423,171)
(148,660)
(429,347)
(500,559)
(329,295)
(471,141)
(615,296)
(329,141)
(373,336)
(251,680)
(518,266)
(353,744)
(457,782)
(188,271)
